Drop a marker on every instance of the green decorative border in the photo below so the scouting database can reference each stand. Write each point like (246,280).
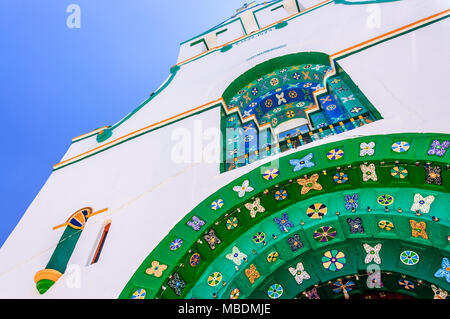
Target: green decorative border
(384,157)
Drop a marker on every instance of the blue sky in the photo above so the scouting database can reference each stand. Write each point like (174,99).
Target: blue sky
(57,83)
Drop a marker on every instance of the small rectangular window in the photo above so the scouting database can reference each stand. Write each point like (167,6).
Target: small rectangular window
(101,242)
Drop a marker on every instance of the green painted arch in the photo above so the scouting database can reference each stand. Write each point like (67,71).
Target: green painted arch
(383,156)
(312,250)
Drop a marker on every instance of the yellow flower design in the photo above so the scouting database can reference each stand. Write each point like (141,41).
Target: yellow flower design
(309,183)
(156,269)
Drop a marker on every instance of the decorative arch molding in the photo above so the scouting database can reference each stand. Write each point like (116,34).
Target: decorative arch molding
(427,171)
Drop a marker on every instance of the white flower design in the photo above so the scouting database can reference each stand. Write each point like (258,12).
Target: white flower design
(236,256)
(243,189)
(299,273)
(367,149)
(369,172)
(255,207)
(422,203)
(439,293)
(373,253)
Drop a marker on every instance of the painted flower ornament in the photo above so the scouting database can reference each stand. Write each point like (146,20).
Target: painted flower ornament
(333,260)
(176,283)
(139,294)
(312,294)
(305,162)
(245,188)
(252,274)
(271,174)
(367,149)
(343,286)
(418,229)
(284,223)
(444,271)
(437,148)
(433,175)
(299,273)
(156,269)
(309,183)
(340,178)
(351,201)
(372,253)
(295,242)
(368,172)
(355,225)
(316,211)
(439,293)
(236,256)
(217,204)
(255,207)
(196,223)
(422,204)
(212,239)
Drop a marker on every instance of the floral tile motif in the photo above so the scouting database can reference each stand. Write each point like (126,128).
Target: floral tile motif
(409,257)
(399,172)
(194,260)
(367,149)
(176,243)
(245,188)
(437,148)
(400,146)
(280,194)
(372,253)
(418,229)
(340,178)
(422,204)
(217,204)
(386,225)
(272,257)
(444,271)
(385,200)
(259,237)
(324,234)
(214,279)
(236,256)
(271,174)
(255,207)
(340,285)
(312,294)
(234,293)
(316,211)
(334,260)
(275,291)
(335,154)
(433,175)
(284,223)
(351,201)
(196,223)
(176,283)
(156,269)
(139,294)
(295,242)
(305,162)
(299,273)
(368,172)
(439,293)
(309,183)
(408,285)
(252,274)
(232,223)
(212,239)
(355,225)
